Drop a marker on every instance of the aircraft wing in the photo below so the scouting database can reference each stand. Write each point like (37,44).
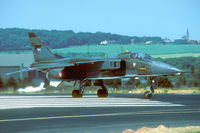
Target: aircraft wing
(42,66)
(88,62)
(52,66)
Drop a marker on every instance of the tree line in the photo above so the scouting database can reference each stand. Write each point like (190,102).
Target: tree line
(188,64)
(17,38)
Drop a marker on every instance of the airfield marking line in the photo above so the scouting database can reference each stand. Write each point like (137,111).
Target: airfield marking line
(99,115)
(61,101)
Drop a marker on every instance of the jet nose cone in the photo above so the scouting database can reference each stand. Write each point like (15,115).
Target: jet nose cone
(163,68)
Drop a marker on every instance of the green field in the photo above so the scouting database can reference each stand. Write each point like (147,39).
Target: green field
(163,51)
(112,50)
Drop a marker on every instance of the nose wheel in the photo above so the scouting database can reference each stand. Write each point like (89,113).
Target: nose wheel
(147,94)
(154,85)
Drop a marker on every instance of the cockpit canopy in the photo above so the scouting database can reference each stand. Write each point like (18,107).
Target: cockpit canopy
(141,56)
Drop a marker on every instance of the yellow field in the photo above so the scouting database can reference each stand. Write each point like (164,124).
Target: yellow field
(163,129)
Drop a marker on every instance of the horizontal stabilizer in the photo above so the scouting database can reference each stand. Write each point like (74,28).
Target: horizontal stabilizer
(23,70)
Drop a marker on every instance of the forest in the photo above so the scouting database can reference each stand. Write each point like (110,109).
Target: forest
(191,65)
(17,38)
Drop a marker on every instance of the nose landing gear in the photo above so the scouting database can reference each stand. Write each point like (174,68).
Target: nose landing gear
(154,85)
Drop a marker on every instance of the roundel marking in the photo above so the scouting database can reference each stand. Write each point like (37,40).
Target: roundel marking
(60,74)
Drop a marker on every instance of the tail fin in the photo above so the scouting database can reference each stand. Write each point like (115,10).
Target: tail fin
(40,51)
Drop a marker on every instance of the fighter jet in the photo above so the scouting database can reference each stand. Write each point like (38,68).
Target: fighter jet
(97,69)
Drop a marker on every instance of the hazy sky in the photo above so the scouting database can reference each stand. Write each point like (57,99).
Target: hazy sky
(165,18)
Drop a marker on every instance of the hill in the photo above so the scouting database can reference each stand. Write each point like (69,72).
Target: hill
(17,38)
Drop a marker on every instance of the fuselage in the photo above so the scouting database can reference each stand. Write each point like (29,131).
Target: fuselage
(124,65)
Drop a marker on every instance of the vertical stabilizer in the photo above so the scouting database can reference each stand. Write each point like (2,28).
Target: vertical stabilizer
(40,51)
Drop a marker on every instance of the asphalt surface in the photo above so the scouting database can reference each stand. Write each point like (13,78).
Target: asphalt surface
(60,113)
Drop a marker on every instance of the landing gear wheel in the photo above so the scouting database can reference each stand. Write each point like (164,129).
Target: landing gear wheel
(147,94)
(102,93)
(77,94)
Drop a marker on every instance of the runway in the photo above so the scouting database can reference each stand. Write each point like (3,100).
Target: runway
(61,113)
(10,102)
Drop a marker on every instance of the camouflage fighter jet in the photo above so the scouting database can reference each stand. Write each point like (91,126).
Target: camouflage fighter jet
(96,70)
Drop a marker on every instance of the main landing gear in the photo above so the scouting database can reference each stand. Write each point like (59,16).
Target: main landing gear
(154,85)
(103,92)
(78,93)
